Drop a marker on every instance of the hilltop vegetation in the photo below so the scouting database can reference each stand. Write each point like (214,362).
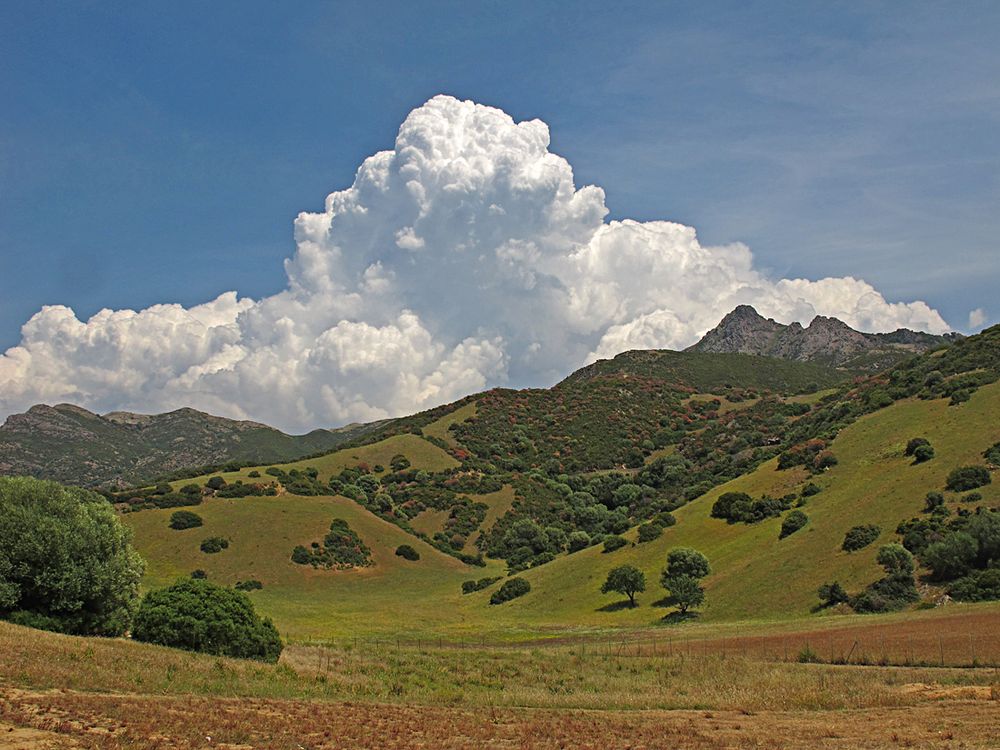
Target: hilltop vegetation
(72,445)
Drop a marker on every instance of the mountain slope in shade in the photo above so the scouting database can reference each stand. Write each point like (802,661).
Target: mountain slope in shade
(70,444)
(825,340)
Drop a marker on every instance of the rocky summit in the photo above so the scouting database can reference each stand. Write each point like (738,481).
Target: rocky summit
(825,340)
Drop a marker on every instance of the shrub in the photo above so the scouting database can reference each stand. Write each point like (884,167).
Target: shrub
(972,497)
(933,501)
(792,523)
(185,519)
(992,454)
(199,574)
(980,586)
(201,616)
(723,507)
(831,594)
(215,483)
(577,540)
(512,588)
(469,587)
(811,489)
(649,531)
(214,544)
(342,548)
(407,552)
(65,559)
(859,537)
(627,579)
(911,447)
(254,474)
(923,454)
(252,585)
(968,478)
(952,557)
(614,542)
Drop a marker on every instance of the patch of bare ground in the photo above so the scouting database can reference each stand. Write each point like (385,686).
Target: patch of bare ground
(55,719)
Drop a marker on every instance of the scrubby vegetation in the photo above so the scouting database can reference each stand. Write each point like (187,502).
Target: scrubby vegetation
(792,523)
(66,562)
(407,552)
(185,519)
(214,544)
(471,586)
(200,616)
(512,588)
(341,548)
(859,537)
(967,478)
(738,507)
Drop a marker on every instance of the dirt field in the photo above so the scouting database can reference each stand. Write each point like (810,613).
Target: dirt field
(967,717)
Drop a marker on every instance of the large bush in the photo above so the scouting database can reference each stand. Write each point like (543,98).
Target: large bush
(511,589)
(65,559)
(201,616)
(859,537)
(185,519)
(967,478)
(792,523)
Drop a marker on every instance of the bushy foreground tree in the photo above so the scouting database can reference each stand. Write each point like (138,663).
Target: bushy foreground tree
(66,562)
(197,615)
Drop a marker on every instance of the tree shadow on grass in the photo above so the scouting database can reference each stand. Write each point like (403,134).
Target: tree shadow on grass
(676,617)
(616,606)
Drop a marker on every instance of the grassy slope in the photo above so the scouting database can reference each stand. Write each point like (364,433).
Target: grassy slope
(306,603)
(439,428)
(755,575)
(421,453)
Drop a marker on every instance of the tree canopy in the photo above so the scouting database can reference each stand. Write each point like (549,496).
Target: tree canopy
(66,561)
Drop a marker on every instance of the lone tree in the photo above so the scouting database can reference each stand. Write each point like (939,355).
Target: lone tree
(200,616)
(681,578)
(626,579)
(66,562)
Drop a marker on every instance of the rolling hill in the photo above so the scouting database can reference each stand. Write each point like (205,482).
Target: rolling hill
(76,446)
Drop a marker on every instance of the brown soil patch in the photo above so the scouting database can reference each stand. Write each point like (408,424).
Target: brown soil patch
(87,720)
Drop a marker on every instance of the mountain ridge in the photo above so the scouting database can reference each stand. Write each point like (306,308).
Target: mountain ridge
(825,340)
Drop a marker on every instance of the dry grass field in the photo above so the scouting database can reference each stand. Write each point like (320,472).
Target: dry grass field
(58,691)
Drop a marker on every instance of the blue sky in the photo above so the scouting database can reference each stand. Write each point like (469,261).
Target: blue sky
(155,152)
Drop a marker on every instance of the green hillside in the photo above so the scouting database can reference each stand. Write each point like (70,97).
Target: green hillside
(756,576)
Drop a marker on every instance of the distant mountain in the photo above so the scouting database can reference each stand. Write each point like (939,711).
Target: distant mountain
(76,446)
(825,340)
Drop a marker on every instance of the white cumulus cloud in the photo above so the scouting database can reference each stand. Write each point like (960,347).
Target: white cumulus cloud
(977,319)
(464,257)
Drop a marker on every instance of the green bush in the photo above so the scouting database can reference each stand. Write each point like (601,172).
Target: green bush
(342,548)
(685,591)
(252,585)
(792,523)
(407,552)
(66,561)
(952,557)
(199,574)
(511,589)
(185,519)
(859,537)
(649,531)
(911,447)
(968,478)
(614,542)
(469,587)
(214,544)
(933,501)
(684,561)
(201,616)
(923,454)
(577,540)
(992,454)
(811,489)
(979,586)
(831,594)
(215,483)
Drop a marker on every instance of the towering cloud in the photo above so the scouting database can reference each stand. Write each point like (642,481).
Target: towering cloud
(464,257)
